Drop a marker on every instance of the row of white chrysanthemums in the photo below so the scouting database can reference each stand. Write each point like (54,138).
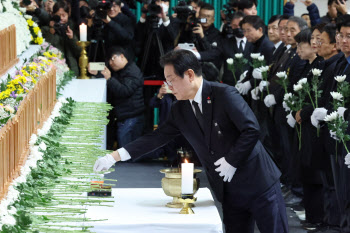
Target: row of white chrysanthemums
(12,16)
(36,154)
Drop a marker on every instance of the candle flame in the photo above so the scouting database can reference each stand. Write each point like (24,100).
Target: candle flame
(186,161)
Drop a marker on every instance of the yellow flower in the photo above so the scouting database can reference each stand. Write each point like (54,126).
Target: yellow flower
(31,38)
(30,22)
(40,40)
(47,54)
(33,80)
(36,30)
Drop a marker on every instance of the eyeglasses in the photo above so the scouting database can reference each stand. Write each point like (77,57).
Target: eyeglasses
(343,37)
(322,43)
(170,83)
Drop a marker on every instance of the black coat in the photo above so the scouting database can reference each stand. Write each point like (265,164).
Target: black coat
(231,130)
(125,92)
(120,32)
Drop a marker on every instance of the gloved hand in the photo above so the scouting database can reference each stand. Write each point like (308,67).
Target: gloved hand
(333,135)
(285,106)
(263,84)
(257,73)
(238,85)
(243,75)
(318,115)
(347,160)
(225,169)
(290,120)
(244,88)
(269,100)
(341,111)
(104,163)
(255,93)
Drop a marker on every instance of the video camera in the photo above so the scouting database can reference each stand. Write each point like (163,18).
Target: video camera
(185,12)
(102,9)
(229,11)
(59,27)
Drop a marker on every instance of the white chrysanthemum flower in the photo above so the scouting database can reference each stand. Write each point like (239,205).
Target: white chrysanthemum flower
(297,87)
(287,96)
(42,146)
(33,140)
(337,95)
(255,55)
(9,109)
(264,68)
(340,78)
(64,100)
(282,74)
(229,61)
(261,58)
(331,117)
(8,220)
(31,163)
(302,81)
(238,55)
(316,72)
(12,210)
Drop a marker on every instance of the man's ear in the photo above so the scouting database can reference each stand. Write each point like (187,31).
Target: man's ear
(191,74)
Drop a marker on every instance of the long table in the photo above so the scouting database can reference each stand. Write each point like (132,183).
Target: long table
(142,210)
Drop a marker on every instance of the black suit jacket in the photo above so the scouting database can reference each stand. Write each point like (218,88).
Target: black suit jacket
(231,130)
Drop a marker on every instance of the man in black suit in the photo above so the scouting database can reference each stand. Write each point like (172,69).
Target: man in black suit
(224,132)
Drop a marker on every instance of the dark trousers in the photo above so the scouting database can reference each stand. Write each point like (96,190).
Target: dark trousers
(129,130)
(313,202)
(241,211)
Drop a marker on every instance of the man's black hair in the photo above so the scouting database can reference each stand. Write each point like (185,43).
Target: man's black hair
(343,21)
(331,30)
(182,60)
(304,36)
(300,21)
(274,18)
(283,17)
(207,6)
(253,20)
(246,4)
(330,2)
(304,14)
(318,27)
(238,15)
(114,51)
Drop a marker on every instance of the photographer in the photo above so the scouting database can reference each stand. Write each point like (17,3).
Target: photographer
(117,28)
(153,23)
(125,93)
(60,33)
(40,16)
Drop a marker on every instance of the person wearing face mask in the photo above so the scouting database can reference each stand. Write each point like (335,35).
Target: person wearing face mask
(61,34)
(229,47)
(118,30)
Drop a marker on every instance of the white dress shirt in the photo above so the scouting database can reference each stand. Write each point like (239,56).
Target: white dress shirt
(244,39)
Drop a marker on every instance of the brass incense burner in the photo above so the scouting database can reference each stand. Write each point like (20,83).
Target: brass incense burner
(171,185)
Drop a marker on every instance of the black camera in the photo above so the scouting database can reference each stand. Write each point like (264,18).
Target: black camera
(59,27)
(102,9)
(229,11)
(184,11)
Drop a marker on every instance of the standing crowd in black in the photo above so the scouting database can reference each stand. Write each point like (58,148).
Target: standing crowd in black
(310,155)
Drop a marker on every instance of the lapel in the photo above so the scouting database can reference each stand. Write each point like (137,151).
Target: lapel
(207,108)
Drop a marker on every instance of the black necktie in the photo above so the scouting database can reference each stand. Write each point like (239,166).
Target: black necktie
(241,50)
(199,115)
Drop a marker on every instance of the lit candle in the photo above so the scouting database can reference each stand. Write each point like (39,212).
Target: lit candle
(187,177)
(83,32)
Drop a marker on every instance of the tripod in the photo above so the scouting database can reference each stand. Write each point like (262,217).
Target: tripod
(97,50)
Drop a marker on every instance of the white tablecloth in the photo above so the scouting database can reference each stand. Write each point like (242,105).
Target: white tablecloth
(88,90)
(142,210)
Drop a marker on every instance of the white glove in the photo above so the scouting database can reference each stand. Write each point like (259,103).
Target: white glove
(225,169)
(255,93)
(290,120)
(257,73)
(269,100)
(347,160)
(238,85)
(104,163)
(341,111)
(285,106)
(263,84)
(243,76)
(333,135)
(318,115)
(244,88)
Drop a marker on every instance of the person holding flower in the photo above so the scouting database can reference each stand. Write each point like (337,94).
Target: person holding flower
(63,37)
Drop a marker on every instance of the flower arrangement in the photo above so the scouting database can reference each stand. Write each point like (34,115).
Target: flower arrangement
(36,35)
(236,64)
